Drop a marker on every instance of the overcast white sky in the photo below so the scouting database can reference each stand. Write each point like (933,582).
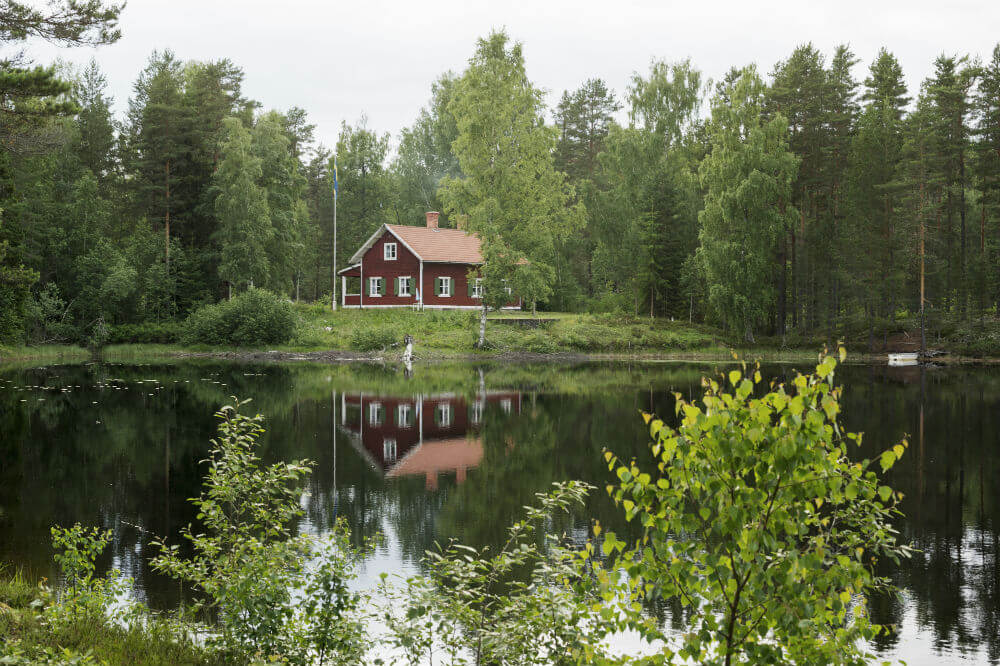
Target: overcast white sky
(339,60)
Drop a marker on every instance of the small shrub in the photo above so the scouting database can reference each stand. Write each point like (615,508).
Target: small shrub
(84,595)
(374,338)
(249,565)
(254,317)
(539,343)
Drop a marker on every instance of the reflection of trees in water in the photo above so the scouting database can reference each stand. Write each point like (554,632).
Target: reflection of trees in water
(951,480)
(141,462)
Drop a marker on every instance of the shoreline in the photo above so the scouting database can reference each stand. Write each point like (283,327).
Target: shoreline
(142,352)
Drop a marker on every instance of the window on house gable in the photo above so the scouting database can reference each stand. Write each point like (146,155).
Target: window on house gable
(389,252)
(376,286)
(389,450)
(376,414)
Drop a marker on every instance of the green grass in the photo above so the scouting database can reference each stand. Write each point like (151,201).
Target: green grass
(43,353)
(454,332)
(27,638)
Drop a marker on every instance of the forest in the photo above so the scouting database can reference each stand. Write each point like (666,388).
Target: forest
(815,195)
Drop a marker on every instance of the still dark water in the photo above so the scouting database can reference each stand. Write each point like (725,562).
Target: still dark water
(456,451)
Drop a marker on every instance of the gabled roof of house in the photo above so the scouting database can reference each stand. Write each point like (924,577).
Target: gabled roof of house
(436,245)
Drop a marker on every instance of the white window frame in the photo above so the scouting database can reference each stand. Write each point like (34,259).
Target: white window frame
(403,413)
(390,252)
(477,288)
(374,287)
(373,408)
(445,286)
(478,407)
(506,405)
(389,451)
(444,415)
(408,291)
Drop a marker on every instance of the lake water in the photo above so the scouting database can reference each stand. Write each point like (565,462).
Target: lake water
(456,451)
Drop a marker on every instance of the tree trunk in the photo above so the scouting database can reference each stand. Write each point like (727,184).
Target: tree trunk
(166,220)
(782,287)
(482,328)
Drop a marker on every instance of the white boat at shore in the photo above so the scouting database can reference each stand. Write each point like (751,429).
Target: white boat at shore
(904,358)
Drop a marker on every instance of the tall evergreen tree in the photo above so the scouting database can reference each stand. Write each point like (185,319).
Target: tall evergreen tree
(949,91)
(159,146)
(96,133)
(584,118)
(877,272)
(364,186)
(987,150)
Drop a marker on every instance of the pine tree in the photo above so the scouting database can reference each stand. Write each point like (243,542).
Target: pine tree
(159,146)
(876,271)
(949,90)
(364,186)
(583,118)
(987,169)
(798,92)
(96,133)
(842,112)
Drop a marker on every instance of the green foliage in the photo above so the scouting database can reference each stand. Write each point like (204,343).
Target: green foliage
(150,332)
(15,294)
(84,596)
(748,177)
(245,560)
(254,317)
(253,571)
(476,607)
(759,524)
(511,193)
(242,209)
(374,338)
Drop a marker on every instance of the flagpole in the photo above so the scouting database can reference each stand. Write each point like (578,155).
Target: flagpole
(333,297)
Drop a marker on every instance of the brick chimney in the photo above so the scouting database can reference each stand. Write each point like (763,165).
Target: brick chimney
(432,219)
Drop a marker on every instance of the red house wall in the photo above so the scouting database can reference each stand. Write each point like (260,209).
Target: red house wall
(459,285)
(374,265)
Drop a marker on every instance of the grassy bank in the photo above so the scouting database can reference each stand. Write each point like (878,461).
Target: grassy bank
(44,353)
(455,332)
(31,634)
(452,334)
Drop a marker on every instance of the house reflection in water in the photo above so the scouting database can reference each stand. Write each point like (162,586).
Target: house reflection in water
(424,434)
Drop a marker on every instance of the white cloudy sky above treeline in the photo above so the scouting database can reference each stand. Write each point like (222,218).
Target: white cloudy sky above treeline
(339,60)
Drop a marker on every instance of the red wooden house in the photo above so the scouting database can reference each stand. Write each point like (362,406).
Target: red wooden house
(420,267)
